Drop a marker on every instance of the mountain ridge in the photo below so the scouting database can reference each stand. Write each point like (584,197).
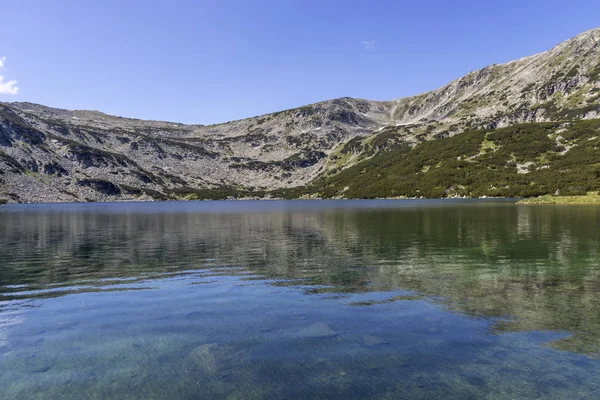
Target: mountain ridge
(50,154)
(590,33)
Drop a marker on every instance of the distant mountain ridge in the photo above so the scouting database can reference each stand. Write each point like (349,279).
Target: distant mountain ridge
(50,155)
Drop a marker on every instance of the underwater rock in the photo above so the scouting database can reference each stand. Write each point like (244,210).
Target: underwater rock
(370,340)
(318,330)
(214,359)
(425,382)
(40,370)
(474,380)
(195,315)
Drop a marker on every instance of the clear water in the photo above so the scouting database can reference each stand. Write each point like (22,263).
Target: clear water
(307,300)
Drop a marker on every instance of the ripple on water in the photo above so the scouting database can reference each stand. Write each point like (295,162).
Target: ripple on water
(300,300)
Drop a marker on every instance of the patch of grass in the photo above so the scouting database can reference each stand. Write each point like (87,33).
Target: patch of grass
(218,193)
(135,191)
(575,113)
(354,145)
(590,198)
(487,144)
(594,74)
(572,72)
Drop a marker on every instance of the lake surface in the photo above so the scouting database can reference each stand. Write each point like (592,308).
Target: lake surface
(407,299)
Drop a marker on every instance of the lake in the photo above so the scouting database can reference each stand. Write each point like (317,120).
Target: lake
(398,299)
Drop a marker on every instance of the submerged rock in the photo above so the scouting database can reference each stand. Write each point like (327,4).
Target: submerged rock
(195,315)
(214,359)
(318,330)
(41,370)
(370,340)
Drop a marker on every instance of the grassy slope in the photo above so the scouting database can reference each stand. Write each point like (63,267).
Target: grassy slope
(592,198)
(521,161)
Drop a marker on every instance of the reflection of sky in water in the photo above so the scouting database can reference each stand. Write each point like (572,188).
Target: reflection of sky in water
(273,299)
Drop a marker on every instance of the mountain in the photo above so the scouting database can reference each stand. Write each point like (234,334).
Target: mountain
(526,127)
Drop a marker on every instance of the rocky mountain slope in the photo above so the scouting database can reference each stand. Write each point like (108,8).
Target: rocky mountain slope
(49,155)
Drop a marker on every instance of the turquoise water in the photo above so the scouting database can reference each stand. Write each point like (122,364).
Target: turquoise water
(407,299)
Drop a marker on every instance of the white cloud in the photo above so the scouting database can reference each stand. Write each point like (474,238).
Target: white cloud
(7,87)
(368,44)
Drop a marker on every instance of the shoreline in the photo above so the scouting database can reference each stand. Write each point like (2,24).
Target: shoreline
(266,199)
(589,199)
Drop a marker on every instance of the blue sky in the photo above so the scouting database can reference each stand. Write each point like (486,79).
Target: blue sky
(207,62)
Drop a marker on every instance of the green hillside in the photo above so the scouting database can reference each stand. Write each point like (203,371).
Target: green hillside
(519,161)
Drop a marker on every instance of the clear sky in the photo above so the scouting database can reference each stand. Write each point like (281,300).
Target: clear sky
(214,61)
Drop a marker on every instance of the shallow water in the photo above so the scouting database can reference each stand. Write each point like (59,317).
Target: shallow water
(300,299)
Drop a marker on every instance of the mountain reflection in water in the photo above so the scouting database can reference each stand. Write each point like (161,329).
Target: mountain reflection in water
(532,270)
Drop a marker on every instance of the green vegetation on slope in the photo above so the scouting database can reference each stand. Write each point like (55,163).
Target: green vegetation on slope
(520,161)
(590,198)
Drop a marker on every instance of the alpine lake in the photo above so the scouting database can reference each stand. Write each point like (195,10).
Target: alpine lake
(363,299)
